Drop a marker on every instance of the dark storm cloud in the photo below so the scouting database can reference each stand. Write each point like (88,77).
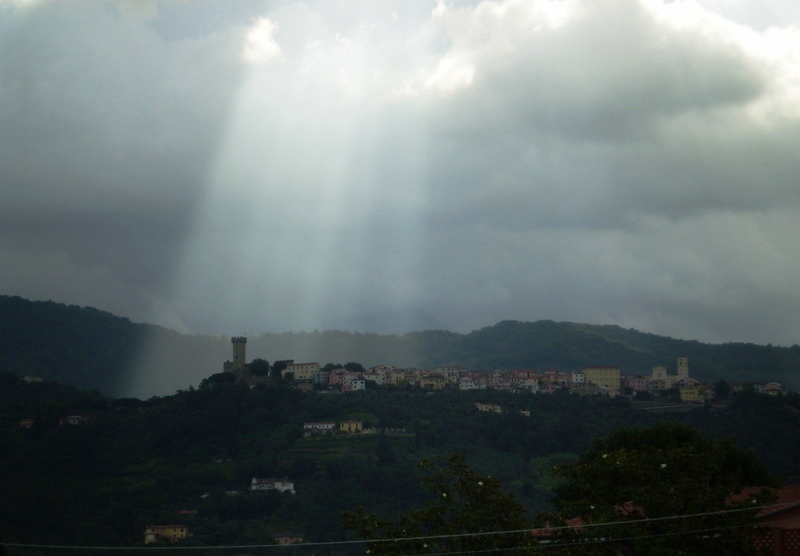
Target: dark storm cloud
(108,134)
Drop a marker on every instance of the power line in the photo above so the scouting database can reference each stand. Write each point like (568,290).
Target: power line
(534,530)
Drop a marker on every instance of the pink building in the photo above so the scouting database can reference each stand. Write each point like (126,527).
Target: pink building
(636,383)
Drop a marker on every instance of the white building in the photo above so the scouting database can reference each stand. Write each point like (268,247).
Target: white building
(319,427)
(469,383)
(281,485)
(378,378)
(351,384)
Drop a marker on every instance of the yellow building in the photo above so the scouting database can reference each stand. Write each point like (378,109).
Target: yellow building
(301,371)
(690,392)
(161,533)
(607,378)
(396,377)
(288,538)
(351,426)
(432,382)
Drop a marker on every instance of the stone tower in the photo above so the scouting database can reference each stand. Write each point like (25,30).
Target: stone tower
(239,343)
(683,367)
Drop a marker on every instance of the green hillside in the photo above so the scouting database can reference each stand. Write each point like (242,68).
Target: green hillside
(88,348)
(190,457)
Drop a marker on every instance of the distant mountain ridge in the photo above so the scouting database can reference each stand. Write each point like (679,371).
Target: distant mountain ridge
(93,349)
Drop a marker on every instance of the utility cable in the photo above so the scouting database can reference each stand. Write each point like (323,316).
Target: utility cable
(537,530)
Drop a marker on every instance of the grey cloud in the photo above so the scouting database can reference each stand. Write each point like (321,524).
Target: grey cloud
(113,129)
(610,74)
(696,173)
(610,116)
(610,169)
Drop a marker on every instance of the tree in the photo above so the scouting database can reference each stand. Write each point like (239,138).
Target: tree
(722,389)
(303,468)
(259,367)
(663,490)
(384,455)
(355,367)
(278,367)
(218,378)
(467,512)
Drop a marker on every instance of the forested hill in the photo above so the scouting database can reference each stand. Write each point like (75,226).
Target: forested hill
(130,463)
(572,345)
(89,348)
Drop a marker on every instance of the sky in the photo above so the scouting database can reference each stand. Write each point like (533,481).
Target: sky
(252,166)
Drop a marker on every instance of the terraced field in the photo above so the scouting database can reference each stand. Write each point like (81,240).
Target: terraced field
(350,447)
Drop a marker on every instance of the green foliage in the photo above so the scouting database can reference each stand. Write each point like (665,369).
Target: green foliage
(722,389)
(139,462)
(368,419)
(543,466)
(665,489)
(350,366)
(216,379)
(384,455)
(355,367)
(259,367)
(70,344)
(278,368)
(764,423)
(466,512)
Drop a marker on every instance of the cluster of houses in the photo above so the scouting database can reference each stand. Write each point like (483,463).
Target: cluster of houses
(175,533)
(316,428)
(593,380)
(68,421)
(347,426)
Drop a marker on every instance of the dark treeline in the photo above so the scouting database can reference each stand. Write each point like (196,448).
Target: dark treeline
(88,348)
(176,459)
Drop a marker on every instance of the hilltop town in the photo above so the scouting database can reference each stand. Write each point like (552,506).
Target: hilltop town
(599,380)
